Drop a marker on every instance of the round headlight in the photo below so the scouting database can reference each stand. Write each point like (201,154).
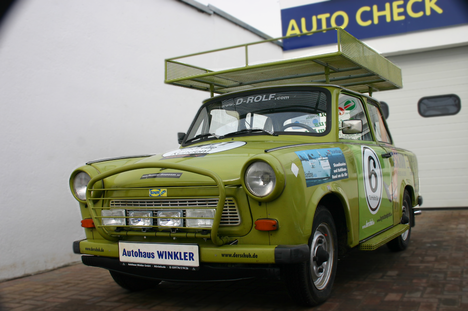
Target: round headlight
(260,179)
(80,183)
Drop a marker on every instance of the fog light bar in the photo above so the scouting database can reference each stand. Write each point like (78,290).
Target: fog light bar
(266,224)
(201,214)
(113,221)
(170,222)
(139,218)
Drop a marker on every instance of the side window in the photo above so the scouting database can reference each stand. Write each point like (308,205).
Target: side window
(350,108)
(381,132)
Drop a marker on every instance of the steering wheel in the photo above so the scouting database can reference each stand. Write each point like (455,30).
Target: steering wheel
(311,130)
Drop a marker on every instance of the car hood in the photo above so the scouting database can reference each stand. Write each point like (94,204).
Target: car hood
(226,159)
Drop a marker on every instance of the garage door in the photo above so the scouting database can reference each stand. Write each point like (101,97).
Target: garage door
(440,142)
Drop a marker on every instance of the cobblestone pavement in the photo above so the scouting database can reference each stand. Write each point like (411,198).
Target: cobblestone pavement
(432,274)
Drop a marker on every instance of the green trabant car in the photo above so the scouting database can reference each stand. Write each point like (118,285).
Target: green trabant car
(277,177)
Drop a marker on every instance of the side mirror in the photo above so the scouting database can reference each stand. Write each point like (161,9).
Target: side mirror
(180,137)
(385,110)
(351,126)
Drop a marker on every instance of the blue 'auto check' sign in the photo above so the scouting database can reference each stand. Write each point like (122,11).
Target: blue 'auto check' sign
(368,18)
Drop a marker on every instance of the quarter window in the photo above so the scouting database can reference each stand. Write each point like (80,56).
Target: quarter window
(380,130)
(438,106)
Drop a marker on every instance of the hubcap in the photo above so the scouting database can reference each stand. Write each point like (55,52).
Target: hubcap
(322,254)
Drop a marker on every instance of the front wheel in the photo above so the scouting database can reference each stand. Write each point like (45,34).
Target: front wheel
(133,283)
(401,243)
(310,283)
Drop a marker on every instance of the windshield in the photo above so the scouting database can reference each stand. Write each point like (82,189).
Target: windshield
(302,112)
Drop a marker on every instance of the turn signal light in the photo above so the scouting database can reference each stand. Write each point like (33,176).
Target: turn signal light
(87,223)
(266,224)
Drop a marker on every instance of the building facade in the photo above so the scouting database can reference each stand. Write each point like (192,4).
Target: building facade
(83,80)
(428,41)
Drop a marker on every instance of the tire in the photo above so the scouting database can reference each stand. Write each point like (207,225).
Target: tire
(310,283)
(401,243)
(133,283)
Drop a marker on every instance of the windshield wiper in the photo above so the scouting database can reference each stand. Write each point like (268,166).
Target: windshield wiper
(249,131)
(201,136)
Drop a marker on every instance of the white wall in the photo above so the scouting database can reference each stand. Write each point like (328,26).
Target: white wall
(80,80)
(440,143)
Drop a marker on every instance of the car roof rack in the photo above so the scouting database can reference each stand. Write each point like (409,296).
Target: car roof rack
(353,65)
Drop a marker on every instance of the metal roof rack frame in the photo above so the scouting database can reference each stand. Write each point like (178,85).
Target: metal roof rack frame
(354,66)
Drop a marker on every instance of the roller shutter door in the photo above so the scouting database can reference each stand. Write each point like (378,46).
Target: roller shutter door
(440,143)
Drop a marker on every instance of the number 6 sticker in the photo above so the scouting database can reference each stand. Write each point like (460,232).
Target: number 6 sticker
(373,179)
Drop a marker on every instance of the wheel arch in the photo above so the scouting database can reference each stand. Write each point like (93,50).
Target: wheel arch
(336,206)
(407,185)
(411,192)
(335,200)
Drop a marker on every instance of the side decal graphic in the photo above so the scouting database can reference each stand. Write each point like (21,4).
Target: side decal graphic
(401,167)
(373,179)
(323,165)
(294,169)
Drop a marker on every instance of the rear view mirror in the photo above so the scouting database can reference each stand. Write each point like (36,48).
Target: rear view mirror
(180,137)
(351,126)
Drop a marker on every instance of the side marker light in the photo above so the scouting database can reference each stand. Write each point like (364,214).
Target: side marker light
(87,223)
(266,224)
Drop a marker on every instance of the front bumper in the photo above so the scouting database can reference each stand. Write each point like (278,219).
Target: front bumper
(227,262)
(207,272)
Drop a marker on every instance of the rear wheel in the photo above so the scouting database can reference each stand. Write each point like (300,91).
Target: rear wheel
(310,283)
(401,243)
(133,283)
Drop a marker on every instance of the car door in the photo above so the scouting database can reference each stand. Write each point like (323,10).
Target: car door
(396,158)
(374,170)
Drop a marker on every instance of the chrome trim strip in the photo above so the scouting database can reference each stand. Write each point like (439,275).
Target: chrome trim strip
(119,158)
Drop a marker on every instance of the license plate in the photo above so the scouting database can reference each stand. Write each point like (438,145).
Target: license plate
(158,255)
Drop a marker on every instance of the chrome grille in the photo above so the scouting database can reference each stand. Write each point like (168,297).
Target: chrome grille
(230,215)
